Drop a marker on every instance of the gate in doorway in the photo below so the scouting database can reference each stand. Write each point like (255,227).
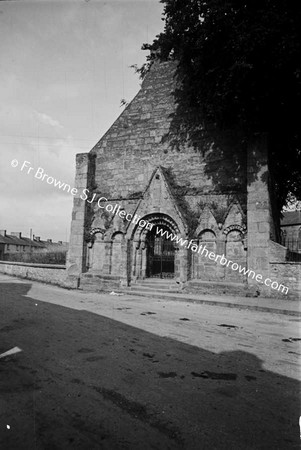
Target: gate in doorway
(161,256)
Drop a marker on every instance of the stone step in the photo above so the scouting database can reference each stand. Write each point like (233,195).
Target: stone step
(157,280)
(192,287)
(150,289)
(95,280)
(158,285)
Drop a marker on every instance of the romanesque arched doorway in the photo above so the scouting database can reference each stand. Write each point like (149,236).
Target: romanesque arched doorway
(160,253)
(153,253)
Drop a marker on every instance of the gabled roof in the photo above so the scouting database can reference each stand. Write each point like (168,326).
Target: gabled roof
(153,100)
(291,218)
(14,240)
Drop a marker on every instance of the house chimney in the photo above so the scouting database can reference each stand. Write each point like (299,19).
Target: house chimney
(49,241)
(16,234)
(3,232)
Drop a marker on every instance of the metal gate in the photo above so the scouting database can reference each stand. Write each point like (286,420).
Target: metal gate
(161,257)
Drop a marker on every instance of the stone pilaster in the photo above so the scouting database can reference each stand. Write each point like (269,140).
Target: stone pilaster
(77,247)
(184,257)
(135,246)
(259,215)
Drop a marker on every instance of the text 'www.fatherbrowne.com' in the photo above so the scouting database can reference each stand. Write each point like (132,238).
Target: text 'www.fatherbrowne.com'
(116,209)
(201,249)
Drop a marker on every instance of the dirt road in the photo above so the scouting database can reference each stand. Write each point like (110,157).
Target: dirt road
(108,372)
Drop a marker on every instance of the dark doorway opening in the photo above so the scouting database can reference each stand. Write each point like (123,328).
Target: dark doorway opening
(161,254)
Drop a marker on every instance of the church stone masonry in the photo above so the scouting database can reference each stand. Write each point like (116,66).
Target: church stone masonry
(135,166)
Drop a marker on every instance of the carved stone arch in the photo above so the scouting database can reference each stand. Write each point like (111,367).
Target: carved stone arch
(111,235)
(155,219)
(242,229)
(142,240)
(91,236)
(207,230)
(209,238)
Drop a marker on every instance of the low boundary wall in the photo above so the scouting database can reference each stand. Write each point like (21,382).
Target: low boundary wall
(47,273)
(289,274)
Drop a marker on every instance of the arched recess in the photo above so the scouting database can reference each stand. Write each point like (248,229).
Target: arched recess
(203,266)
(143,241)
(208,238)
(117,253)
(235,252)
(96,253)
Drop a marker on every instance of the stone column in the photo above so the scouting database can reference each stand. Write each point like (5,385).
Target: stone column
(144,261)
(106,257)
(125,248)
(183,256)
(109,256)
(139,263)
(135,247)
(221,250)
(259,215)
(77,248)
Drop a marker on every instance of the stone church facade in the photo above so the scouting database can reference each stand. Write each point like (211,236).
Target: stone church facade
(152,185)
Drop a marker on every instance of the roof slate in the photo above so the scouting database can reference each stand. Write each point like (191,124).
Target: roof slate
(14,240)
(291,218)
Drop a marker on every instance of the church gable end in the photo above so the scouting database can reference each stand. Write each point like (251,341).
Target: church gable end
(136,167)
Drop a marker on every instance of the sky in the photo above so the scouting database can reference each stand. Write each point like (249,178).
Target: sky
(64,69)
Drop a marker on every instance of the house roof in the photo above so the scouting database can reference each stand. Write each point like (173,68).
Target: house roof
(14,240)
(291,218)
(54,245)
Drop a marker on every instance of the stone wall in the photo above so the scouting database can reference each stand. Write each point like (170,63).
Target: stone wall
(287,274)
(277,252)
(211,194)
(123,167)
(48,273)
(137,143)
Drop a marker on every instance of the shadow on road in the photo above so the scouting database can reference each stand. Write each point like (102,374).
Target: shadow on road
(84,381)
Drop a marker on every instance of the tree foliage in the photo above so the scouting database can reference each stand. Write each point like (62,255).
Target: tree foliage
(239,67)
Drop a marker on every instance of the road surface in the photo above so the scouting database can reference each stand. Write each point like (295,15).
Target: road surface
(100,371)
